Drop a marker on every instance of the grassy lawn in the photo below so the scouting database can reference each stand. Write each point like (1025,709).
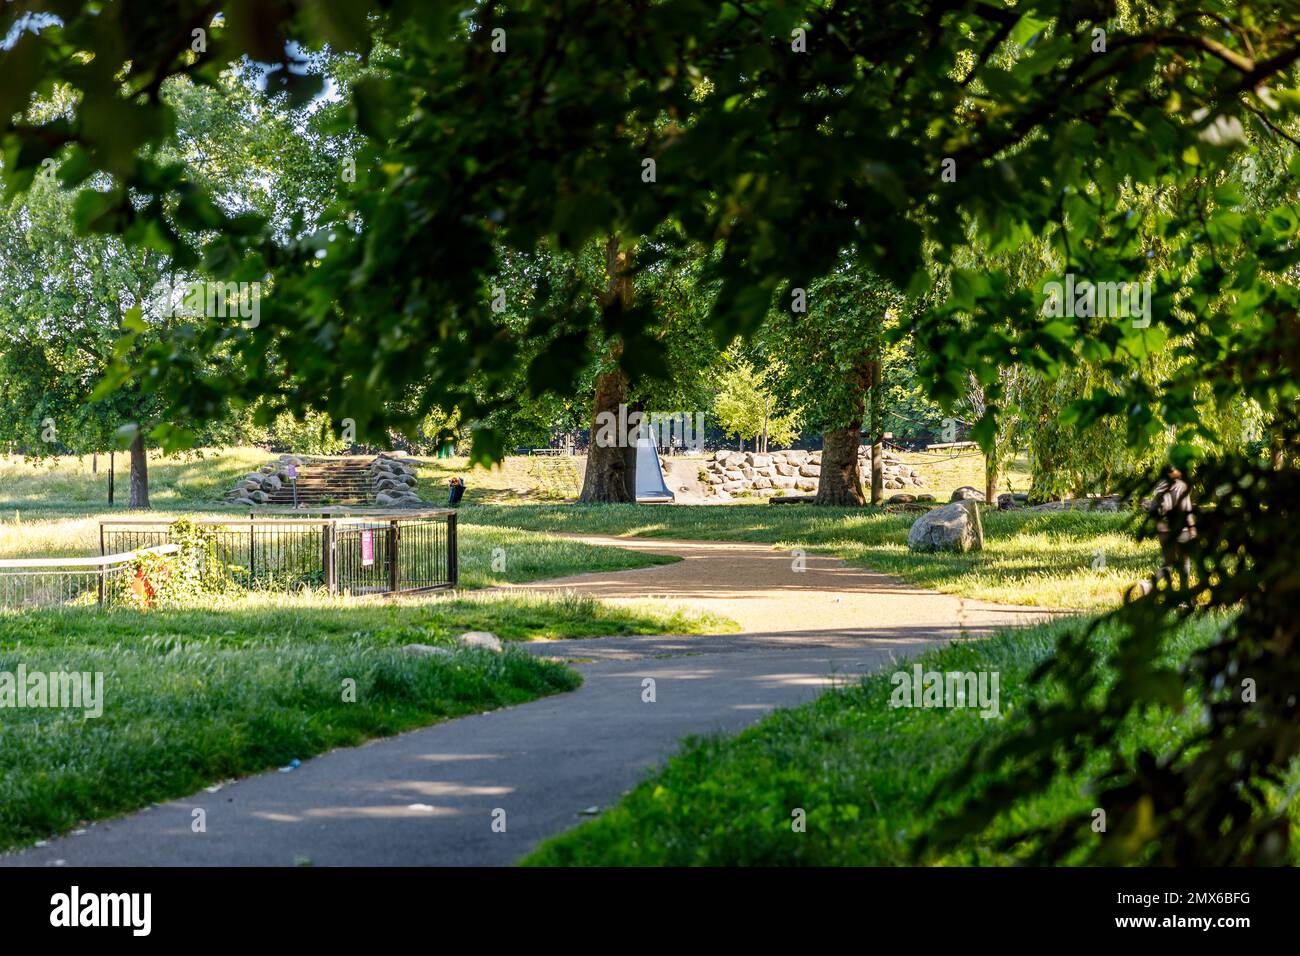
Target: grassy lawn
(195,697)
(859,768)
(68,484)
(1044,559)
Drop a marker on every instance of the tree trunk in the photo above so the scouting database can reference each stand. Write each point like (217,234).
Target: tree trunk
(839,484)
(990,480)
(877,428)
(611,470)
(139,472)
(605,481)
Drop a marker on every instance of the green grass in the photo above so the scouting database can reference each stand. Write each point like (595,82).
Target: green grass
(198,696)
(1063,559)
(67,483)
(859,768)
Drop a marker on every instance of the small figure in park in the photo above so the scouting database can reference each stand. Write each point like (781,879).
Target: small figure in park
(456,490)
(1171,506)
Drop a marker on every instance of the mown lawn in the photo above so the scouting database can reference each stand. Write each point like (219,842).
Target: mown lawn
(198,696)
(1045,559)
(859,768)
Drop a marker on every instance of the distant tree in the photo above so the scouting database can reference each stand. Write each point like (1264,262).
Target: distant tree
(747,406)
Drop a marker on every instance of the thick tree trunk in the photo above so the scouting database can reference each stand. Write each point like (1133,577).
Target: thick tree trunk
(611,464)
(839,484)
(606,480)
(139,473)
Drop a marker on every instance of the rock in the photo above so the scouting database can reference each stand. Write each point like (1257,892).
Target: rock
(1007,500)
(925,497)
(759,461)
(760,483)
(259,497)
(806,484)
(815,458)
(810,471)
(967,493)
(900,499)
(250,485)
(954,527)
(734,475)
(731,486)
(721,456)
(1110,503)
(783,469)
(425,650)
(271,483)
(245,501)
(484,639)
(385,498)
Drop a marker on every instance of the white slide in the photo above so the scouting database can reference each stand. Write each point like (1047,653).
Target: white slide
(650,487)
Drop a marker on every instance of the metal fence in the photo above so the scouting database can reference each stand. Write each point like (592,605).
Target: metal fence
(361,552)
(44,582)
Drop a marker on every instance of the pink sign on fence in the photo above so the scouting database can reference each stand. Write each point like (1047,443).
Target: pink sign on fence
(367,547)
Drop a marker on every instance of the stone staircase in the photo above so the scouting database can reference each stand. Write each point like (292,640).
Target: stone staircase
(338,482)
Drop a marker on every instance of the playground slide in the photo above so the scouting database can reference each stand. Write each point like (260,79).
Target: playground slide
(650,487)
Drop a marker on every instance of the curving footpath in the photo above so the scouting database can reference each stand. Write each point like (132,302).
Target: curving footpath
(432,796)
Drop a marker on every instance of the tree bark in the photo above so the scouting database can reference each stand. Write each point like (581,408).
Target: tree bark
(139,472)
(605,481)
(990,480)
(610,477)
(840,485)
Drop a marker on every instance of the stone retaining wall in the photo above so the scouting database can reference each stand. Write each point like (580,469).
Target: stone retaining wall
(796,471)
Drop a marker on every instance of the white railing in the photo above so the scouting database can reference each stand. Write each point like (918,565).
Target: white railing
(45,582)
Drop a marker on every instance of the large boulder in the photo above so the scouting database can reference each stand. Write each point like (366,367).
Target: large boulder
(954,527)
(260,497)
(967,493)
(271,483)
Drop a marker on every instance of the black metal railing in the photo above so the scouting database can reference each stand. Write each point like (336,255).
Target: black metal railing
(355,553)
